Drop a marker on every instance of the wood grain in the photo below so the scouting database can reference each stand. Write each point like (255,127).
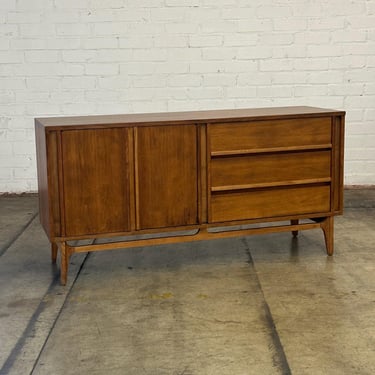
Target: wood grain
(176,118)
(200,235)
(43,185)
(108,176)
(167,176)
(270,134)
(96,181)
(269,203)
(338,164)
(258,169)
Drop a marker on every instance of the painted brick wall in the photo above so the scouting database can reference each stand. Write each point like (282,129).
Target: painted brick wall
(76,57)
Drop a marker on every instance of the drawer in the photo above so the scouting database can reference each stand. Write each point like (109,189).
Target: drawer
(237,171)
(269,134)
(267,203)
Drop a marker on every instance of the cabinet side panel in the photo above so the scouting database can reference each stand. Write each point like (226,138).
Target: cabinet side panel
(48,180)
(202,173)
(41,157)
(96,181)
(338,163)
(167,176)
(53,183)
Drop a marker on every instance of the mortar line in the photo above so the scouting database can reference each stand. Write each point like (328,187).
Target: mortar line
(281,361)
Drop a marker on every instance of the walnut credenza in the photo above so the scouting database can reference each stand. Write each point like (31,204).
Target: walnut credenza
(186,174)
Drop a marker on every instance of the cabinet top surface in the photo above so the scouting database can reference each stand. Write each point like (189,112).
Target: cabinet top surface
(187,117)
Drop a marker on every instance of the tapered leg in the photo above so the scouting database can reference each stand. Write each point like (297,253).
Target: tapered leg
(64,263)
(327,226)
(54,249)
(294,232)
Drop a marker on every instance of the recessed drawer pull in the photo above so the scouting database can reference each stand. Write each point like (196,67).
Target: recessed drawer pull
(270,184)
(326,146)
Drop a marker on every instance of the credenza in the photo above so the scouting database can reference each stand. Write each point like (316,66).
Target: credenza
(187,176)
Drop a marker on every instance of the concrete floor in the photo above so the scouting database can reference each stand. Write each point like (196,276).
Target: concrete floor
(253,305)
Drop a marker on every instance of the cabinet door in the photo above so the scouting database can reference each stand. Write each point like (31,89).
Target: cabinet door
(96,174)
(166,176)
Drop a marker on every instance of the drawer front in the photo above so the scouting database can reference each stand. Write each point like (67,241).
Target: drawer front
(253,204)
(269,134)
(270,168)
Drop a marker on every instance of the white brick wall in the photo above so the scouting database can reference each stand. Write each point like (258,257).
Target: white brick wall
(77,57)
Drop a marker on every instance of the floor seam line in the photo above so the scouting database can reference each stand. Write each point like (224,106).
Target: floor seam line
(58,314)
(282,360)
(21,341)
(12,357)
(18,235)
